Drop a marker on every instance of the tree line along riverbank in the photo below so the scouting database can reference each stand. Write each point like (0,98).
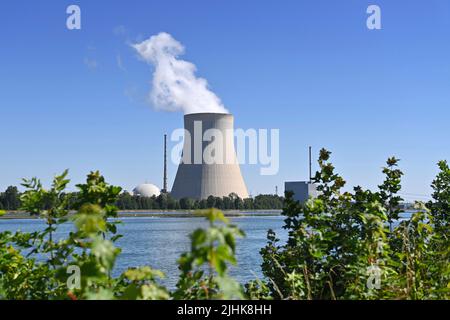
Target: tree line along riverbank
(156,213)
(10,201)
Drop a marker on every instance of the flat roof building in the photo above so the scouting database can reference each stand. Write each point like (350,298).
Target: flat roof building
(302,190)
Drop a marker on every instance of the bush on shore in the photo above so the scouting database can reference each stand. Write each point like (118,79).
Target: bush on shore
(341,245)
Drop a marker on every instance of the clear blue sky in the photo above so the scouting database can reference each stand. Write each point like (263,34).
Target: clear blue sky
(75,99)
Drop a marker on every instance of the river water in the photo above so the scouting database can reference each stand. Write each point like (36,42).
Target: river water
(159,241)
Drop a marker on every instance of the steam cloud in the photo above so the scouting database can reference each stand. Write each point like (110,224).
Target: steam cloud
(175,86)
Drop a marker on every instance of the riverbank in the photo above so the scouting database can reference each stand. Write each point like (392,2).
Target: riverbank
(160,213)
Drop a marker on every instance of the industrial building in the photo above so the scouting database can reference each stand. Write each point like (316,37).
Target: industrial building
(199,180)
(303,190)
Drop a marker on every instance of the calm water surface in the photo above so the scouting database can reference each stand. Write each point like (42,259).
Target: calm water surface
(159,241)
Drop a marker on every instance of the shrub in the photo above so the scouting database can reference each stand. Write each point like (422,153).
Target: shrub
(343,245)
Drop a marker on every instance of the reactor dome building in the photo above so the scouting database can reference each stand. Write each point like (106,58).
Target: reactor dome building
(209,139)
(146,190)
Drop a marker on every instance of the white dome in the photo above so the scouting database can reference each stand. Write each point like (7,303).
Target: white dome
(146,190)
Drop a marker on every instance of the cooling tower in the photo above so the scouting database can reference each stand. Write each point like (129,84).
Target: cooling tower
(198,177)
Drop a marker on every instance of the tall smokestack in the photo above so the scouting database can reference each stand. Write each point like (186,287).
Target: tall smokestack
(198,179)
(164,190)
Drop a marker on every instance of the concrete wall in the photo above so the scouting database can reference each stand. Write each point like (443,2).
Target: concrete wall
(199,181)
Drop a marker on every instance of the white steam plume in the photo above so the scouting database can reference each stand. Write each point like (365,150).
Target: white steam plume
(175,86)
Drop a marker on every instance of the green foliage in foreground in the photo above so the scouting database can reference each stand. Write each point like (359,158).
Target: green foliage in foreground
(342,245)
(90,247)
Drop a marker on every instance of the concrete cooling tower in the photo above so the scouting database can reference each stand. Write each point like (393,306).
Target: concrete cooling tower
(197,176)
